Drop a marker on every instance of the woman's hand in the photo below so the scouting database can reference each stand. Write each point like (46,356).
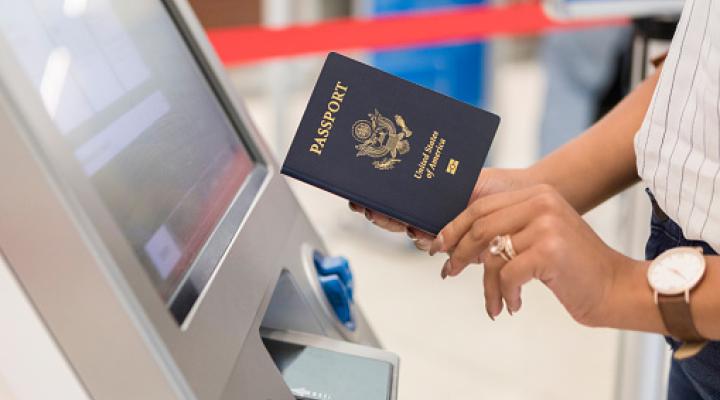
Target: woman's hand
(490,181)
(553,244)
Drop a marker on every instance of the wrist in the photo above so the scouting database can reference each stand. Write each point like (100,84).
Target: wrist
(630,301)
(532,175)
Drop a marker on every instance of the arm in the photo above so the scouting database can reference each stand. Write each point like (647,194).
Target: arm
(553,244)
(574,168)
(631,304)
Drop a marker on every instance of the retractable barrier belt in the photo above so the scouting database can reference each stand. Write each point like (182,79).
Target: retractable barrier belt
(250,44)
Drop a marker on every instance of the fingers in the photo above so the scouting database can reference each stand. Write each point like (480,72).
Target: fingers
(494,274)
(514,275)
(491,283)
(421,240)
(355,207)
(379,219)
(453,232)
(504,221)
(384,222)
(417,234)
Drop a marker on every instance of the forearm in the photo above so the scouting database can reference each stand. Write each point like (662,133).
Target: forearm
(600,162)
(631,304)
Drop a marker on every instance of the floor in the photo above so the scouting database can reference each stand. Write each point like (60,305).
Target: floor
(448,346)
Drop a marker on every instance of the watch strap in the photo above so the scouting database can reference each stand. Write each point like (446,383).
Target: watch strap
(688,349)
(677,317)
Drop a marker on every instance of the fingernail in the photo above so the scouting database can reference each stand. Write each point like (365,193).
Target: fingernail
(447,269)
(437,245)
(422,244)
(368,215)
(411,233)
(489,314)
(510,311)
(353,207)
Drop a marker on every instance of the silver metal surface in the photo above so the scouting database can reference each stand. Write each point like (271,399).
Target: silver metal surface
(28,353)
(362,333)
(573,9)
(340,347)
(93,293)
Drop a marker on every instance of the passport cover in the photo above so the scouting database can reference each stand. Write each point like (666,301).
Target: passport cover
(390,145)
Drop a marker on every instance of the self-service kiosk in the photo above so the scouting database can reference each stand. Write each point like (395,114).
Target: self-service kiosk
(149,249)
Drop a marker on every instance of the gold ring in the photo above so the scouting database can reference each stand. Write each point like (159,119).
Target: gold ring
(502,246)
(509,249)
(496,246)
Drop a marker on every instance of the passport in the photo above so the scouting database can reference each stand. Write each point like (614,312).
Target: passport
(389,144)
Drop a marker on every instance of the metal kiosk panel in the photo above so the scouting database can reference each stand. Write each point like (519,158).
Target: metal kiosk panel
(569,9)
(141,213)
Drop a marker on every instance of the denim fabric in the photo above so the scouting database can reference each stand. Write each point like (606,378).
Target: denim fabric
(697,377)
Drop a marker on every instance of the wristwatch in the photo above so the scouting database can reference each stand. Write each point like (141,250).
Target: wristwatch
(672,276)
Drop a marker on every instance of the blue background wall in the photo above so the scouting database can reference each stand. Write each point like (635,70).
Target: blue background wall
(457,70)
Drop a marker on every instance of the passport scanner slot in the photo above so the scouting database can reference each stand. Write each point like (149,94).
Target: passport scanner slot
(318,368)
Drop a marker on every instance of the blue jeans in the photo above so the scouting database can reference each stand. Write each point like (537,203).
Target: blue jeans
(696,378)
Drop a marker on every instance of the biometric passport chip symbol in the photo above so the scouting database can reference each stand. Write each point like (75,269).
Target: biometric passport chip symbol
(379,138)
(452,166)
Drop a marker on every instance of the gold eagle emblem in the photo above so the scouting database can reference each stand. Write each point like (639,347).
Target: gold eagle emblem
(379,137)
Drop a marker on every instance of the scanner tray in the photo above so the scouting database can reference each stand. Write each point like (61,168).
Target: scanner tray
(317,368)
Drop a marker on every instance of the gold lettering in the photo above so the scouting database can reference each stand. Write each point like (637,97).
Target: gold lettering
(421,166)
(338,96)
(333,107)
(438,153)
(427,165)
(328,118)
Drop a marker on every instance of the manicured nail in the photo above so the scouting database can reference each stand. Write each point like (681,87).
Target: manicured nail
(422,244)
(489,314)
(368,215)
(510,311)
(353,207)
(447,269)
(411,233)
(437,245)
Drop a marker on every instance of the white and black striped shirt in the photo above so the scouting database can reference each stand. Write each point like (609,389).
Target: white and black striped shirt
(678,145)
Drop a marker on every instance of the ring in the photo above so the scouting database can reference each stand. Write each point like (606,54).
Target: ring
(509,249)
(502,246)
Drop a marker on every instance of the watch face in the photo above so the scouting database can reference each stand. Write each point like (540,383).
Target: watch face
(676,271)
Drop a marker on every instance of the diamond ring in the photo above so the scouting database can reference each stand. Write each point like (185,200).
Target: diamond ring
(502,246)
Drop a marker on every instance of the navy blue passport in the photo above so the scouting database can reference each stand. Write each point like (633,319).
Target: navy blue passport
(390,145)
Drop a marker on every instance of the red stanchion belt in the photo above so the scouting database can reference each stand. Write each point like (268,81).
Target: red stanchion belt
(250,44)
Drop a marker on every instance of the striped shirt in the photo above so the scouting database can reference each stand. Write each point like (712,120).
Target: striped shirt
(678,145)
